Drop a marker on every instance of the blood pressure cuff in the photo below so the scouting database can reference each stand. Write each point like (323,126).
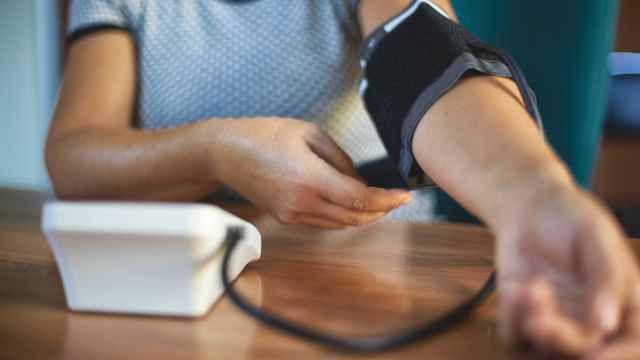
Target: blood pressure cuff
(408,64)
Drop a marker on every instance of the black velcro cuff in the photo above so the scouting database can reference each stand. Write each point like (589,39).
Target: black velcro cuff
(408,64)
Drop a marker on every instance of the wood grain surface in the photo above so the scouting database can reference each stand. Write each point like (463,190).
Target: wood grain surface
(379,278)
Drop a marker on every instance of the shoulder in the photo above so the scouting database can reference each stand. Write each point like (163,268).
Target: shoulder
(102,13)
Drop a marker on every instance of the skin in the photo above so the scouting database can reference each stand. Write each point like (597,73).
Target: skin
(568,282)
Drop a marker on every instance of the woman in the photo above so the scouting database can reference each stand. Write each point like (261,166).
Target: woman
(261,96)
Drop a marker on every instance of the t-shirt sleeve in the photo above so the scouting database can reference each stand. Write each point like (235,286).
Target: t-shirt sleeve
(88,16)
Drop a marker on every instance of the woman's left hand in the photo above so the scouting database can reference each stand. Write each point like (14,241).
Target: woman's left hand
(568,280)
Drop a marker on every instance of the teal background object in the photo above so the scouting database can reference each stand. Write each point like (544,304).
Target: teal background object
(562,47)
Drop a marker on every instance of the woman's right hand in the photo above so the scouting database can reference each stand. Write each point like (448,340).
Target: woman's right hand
(293,170)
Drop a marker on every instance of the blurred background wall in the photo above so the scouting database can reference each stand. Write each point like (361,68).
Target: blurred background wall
(29,75)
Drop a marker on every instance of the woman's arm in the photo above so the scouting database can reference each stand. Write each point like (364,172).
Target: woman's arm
(566,274)
(92,150)
(481,116)
(288,167)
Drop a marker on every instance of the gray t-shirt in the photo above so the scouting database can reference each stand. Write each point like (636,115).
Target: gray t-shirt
(200,59)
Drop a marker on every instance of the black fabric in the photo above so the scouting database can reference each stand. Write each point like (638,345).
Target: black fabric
(382,173)
(92,29)
(405,63)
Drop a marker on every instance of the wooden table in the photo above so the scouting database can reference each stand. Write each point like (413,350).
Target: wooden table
(617,173)
(382,277)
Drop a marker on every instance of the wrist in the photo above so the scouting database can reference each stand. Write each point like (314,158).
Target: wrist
(526,190)
(212,139)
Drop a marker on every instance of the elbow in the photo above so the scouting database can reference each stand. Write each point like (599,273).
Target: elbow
(61,186)
(64,189)
(57,162)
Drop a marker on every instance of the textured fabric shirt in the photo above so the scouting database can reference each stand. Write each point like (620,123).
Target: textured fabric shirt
(201,59)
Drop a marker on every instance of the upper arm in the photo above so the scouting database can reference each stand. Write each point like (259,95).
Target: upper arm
(98,87)
(373,13)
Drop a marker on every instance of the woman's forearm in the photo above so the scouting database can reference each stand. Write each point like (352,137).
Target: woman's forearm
(110,163)
(481,146)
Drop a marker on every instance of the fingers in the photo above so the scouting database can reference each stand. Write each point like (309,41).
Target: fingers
(350,193)
(309,220)
(513,307)
(605,310)
(327,192)
(609,285)
(323,146)
(626,344)
(324,214)
(530,312)
(319,222)
(346,217)
(553,331)
(342,187)
(624,349)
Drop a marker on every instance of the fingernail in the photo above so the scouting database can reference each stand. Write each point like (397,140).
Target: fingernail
(406,197)
(609,314)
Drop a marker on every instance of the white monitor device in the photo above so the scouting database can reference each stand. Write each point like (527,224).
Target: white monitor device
(144,258)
